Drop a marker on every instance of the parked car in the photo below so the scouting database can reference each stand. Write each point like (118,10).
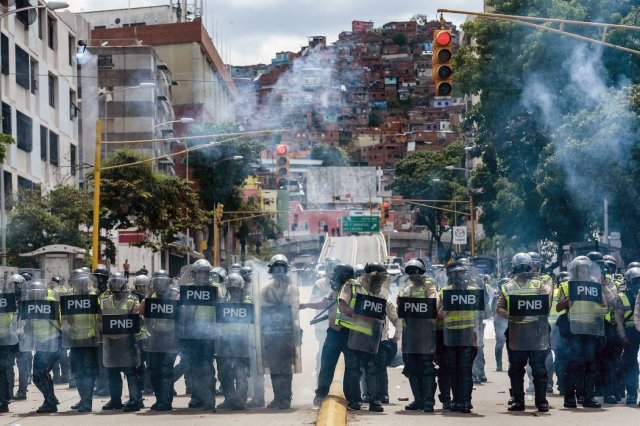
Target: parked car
(394,272)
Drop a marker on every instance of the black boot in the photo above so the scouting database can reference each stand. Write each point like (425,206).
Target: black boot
(589,388)
(135,395)
(428,392)
(374,393)
(540,386)
(418,403)
(518,404)
(498,352)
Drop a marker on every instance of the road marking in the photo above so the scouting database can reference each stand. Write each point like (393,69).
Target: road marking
(355,251)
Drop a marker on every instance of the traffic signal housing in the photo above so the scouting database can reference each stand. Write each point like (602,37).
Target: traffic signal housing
(282,166)
(441,70)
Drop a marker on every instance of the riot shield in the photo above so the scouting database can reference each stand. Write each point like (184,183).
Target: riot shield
(529,322)
(586,313)
(236,326)
(462,308)
(419,324)
(255,337)
(368,313)
(160,320)
(39,324)
(120,324)
(79,310)
(8,314)
(280,327)
(197,312)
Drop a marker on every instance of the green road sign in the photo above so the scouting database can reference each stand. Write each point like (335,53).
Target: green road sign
(361,224)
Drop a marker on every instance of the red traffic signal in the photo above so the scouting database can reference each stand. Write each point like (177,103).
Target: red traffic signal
(441,70)
(282,166)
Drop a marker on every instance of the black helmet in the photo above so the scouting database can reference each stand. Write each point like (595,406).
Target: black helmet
(611,263)
(563,276)
(235,267)
(246,272)
(521,263)
(414,266)
(633,265)
(27,276)
(374,268)
(595,256)
(457,267)
(341,274)
(278,264)
(235,280)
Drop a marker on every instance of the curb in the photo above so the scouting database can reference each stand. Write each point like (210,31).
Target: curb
(333,411)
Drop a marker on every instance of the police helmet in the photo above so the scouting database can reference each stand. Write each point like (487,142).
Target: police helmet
(27,276)
(414,267)
(235,267)
(234,280)
(633,265)
(581,268)
(117,282)
(141,282)
(161,281)
(341,274)
(521,263)
(79,279)
(219,274)
(246,272)
(611,263)
(632,276)
(374,268)
(563,276)
(278,264)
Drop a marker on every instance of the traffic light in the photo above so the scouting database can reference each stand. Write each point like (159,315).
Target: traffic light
(384,213)
(282,166)
(441,70)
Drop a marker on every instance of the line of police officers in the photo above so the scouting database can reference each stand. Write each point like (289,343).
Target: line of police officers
(251,331)
(111,330)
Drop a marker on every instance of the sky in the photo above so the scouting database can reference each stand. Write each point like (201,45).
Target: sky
(252,31)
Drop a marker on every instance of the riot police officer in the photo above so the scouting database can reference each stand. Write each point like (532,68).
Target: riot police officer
(525,301)
(321,289)
(336,341)
(558,347)
(419,335)
(280,331)
(234,343)
(140,290)
(365,329)
(8,340)
(461,304)
(120,324)
(197,333)
(40,331)
(100,278)
(23,360)
(586,305)
(630,336)
(161,347)
(80,333)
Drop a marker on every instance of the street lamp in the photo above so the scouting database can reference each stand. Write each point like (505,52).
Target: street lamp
(52,5)
(216,233)
(95,253)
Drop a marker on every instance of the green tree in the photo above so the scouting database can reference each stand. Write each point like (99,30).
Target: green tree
(134,196)
(330,155)
(422,176)
(39,219)
(219,177)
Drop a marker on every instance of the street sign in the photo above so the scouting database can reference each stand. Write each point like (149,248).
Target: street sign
(361,224)
(459,235)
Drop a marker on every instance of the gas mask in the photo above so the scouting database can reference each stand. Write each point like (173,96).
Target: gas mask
(376,282)
(416,279)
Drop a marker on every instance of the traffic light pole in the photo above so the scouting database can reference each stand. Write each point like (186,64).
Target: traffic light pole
(529,22)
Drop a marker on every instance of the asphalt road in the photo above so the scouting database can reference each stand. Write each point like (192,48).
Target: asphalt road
(354,250)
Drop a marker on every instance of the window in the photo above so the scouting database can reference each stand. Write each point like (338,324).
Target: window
(34,76)
(53,83)
(105,61)
(73,160)
(99,27)
(8,188)
(51,32)
(22,68)
(24,183)
(53,148)
(72,49)
(73,108)
(24,132)
(41,20)
(24,16)
(6,118)
(4,53)
(44,132)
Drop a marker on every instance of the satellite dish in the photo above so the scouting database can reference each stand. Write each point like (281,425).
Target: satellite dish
(32,16)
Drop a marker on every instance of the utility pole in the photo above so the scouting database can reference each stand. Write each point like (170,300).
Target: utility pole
(95,254)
